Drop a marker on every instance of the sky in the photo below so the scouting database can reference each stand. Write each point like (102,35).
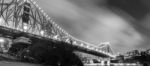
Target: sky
(123,23)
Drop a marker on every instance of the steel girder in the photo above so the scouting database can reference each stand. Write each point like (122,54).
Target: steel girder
(11,13)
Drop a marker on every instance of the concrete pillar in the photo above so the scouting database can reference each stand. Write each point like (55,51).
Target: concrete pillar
(108,62)
(102,62)
(91,61)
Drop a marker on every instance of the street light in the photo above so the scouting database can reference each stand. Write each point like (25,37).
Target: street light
(42,33)
(81,44)
(25,26)
(2,40)
(74,42)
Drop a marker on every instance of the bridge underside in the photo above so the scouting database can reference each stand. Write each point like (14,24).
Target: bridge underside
(13,33)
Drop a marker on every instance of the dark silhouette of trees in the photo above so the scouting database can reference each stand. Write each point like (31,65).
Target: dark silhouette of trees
(17,47)
(53,53)
(142,57)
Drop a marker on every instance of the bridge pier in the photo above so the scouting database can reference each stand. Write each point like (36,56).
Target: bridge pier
(103,62)
(108,62)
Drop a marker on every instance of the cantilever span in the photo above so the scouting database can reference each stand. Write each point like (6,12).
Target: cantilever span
(25,16)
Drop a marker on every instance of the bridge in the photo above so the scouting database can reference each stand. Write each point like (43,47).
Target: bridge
(25,17)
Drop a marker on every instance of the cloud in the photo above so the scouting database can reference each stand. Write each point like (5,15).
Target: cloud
(88,21)
(113,28)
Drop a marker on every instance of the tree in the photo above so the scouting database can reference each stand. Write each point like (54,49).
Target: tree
(45,52)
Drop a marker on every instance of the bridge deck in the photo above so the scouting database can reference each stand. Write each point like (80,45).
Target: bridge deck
(12,33)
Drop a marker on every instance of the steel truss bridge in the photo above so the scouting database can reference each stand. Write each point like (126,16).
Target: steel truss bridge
(27,18)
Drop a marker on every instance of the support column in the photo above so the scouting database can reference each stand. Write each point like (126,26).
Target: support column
(102,62)
(108,62)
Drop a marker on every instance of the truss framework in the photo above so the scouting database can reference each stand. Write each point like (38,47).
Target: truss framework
(11,13)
